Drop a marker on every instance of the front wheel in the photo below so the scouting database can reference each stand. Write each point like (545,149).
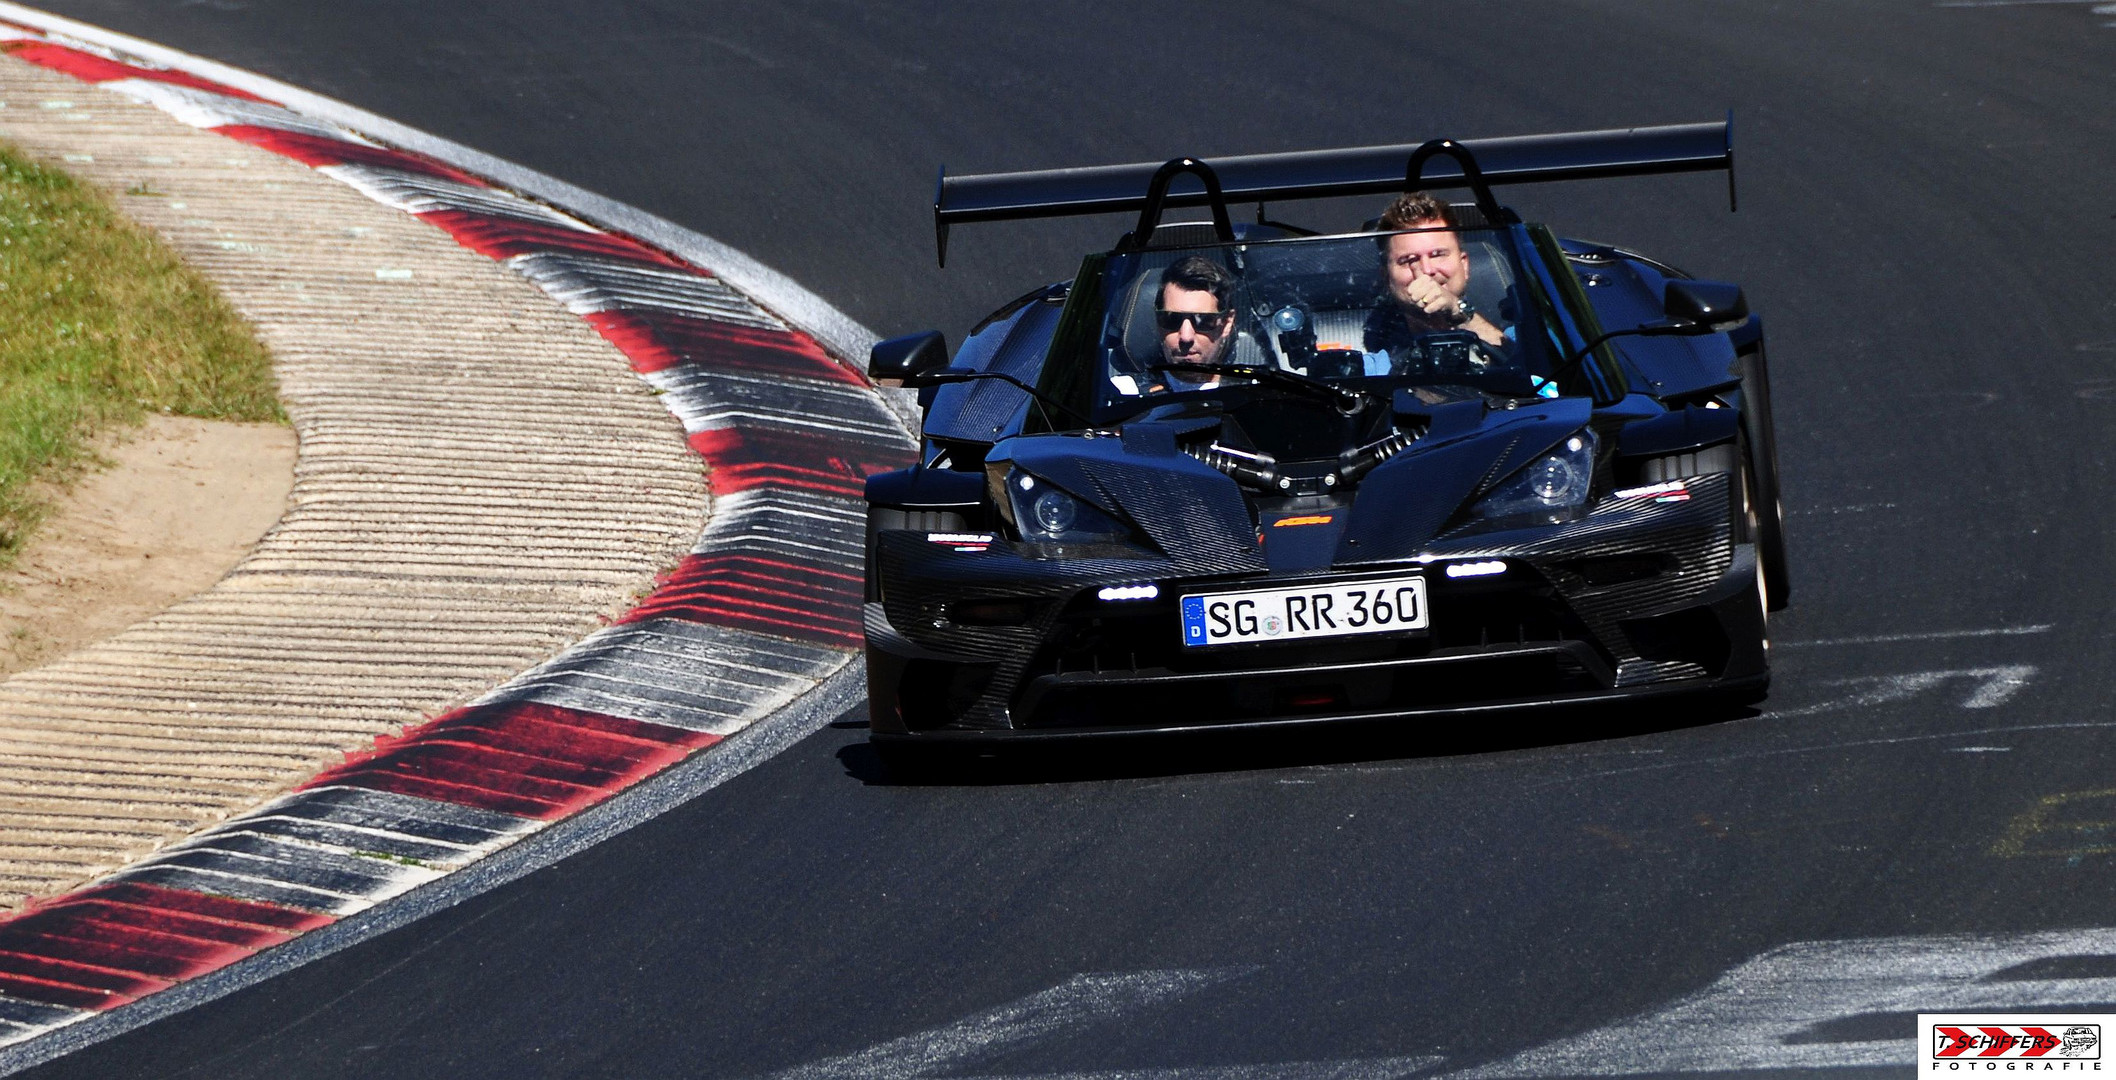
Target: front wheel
(1766,529)
(1752,522)
(1762,461)
(1754,519)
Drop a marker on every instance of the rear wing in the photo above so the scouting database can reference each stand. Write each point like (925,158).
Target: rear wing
(1314,174)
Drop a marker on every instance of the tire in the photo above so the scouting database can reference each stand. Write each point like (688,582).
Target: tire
(881,519)
(1753,521)
(1750,524)
(1763,472)
(1763,577)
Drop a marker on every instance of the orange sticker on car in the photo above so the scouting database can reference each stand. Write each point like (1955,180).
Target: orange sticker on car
(1311,519)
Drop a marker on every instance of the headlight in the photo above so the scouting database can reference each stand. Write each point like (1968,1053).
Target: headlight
(1054,511)
(1045,514)
(1555,482)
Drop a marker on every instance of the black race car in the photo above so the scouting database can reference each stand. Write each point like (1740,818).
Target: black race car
(1246,474)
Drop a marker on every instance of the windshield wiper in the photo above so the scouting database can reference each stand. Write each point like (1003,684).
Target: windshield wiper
(1348,401)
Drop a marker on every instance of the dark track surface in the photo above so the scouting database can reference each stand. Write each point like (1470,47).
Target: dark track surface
(1927,223)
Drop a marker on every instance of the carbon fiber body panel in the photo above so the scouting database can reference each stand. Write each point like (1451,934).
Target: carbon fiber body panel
(1637,593)
(983,411)
(1625,289)
(1408,498)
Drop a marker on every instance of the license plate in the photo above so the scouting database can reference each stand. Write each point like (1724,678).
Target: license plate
(1337,609)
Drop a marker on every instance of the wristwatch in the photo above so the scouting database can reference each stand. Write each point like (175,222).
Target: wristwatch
(1463,312)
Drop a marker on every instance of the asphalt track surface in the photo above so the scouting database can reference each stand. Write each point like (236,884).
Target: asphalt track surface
(1926,222)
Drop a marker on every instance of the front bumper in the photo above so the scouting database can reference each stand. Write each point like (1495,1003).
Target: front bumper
(1631,601)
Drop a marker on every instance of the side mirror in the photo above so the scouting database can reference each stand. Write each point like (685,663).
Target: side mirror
(1694,308)
(1708,307)
(909,357)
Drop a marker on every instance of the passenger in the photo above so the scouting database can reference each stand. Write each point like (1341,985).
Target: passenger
(1195,315)
(1428,276)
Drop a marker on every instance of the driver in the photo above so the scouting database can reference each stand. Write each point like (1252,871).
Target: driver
(1195,315)
(1428,275)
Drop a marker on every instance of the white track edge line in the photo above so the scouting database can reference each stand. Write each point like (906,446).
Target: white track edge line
(835,695)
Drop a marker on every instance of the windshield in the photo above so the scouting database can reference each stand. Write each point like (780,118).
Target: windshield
(1372,311)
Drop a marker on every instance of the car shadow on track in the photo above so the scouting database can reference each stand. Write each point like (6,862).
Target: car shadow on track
(1138,756)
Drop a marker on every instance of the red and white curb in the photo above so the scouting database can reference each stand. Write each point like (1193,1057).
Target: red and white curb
(763,612)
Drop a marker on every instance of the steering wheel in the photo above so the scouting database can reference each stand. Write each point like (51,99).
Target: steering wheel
(1452,352)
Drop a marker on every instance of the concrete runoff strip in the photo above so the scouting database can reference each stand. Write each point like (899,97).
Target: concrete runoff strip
(476,467)
(748,643)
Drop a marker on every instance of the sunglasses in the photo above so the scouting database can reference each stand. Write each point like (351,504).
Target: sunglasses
(1208,323)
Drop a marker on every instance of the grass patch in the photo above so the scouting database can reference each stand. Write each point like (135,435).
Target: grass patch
(100,324)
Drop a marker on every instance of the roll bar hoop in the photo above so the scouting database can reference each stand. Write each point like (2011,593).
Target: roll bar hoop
(1157,193)
(1414,177)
